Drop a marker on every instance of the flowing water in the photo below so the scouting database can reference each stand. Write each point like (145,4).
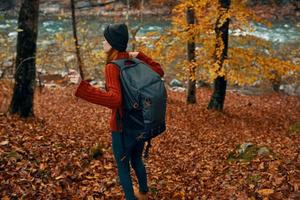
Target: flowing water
(280,32)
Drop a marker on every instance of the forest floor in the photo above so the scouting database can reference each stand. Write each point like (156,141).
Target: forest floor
(48,157)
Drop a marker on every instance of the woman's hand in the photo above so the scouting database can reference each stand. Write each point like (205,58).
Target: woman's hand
(133,54)
(74,77)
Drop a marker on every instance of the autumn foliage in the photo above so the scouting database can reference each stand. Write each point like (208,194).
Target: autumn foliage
(249,58)
(65,152)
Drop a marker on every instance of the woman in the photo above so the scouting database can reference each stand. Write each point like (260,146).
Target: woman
(115,44)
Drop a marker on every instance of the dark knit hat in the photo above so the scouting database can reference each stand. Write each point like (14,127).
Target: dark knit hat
(117,36)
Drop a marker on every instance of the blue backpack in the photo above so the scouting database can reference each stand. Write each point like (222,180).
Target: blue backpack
(144,100)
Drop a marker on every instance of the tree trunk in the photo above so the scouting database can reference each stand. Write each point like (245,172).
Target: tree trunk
(22,101)
(77,46)
(220,84)
(142,11)
(191,92)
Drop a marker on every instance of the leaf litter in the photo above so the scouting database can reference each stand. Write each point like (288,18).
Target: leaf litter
(65,152)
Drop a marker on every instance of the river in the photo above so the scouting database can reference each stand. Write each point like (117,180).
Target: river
(280,32)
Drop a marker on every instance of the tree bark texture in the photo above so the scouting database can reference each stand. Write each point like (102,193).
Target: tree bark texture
(23,96)
(191,92)
(218,97)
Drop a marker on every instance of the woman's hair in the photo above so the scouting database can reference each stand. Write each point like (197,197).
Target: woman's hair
(111,55)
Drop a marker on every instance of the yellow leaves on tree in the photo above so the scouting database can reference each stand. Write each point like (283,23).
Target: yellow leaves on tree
(249,58)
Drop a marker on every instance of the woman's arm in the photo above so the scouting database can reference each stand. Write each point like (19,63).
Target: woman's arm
(112,98)
(154,65)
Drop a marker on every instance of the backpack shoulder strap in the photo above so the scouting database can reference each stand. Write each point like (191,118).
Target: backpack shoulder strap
(121,62)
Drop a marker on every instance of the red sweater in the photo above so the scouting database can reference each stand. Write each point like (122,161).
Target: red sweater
(112,97)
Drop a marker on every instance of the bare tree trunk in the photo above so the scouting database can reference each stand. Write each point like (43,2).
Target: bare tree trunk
(141,11)
(77,46)
(134,31)
(22,101)
(127,13)
(220,84)
(191,92)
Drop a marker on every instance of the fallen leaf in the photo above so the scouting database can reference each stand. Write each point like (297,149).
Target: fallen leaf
(59,177)
(5,198)
(5,142)
(265,192)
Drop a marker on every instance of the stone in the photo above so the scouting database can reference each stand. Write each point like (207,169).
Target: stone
(178,89)
(249,151)
(244,147)
(287,89)
(176,83)
(13,34)
(50,8)
(257,83)
(263,151)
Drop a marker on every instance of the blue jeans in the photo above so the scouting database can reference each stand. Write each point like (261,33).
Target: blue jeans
(124,142)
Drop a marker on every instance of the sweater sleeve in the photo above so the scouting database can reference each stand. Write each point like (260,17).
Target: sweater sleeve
(112,98)
(154,65)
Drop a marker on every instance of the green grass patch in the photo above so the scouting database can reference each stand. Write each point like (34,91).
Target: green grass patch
(295,129)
